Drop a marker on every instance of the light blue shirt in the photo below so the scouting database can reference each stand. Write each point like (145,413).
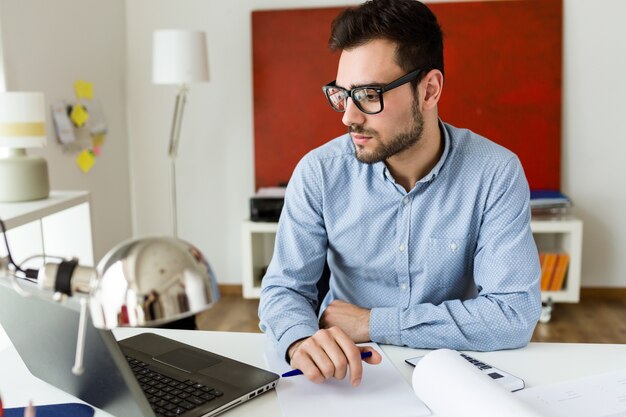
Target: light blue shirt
(452,263)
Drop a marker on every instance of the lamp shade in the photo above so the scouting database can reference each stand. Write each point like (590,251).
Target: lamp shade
(22,120)
(149,282)
(22,125)
(179,57)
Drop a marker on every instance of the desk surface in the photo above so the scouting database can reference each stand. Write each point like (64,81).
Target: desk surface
(537,364)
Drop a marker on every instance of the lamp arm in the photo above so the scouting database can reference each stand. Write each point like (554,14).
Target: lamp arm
(179,108)
(78,368)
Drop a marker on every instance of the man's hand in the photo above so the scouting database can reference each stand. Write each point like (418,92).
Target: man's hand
(353,320)
(328,354)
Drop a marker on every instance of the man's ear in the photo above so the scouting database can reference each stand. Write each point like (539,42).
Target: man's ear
(431,87)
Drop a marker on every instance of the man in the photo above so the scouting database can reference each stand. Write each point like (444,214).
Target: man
(425,227)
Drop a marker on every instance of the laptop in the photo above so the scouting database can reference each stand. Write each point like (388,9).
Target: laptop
(143,376)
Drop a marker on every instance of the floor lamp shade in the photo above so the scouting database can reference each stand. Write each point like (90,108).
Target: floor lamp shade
(22,125)
(179,57)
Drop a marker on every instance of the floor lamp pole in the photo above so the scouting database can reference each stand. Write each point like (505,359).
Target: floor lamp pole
(179,108)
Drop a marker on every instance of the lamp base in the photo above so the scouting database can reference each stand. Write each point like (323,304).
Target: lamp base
(23,178)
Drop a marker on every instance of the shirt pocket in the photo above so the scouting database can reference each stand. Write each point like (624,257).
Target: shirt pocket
(447,261)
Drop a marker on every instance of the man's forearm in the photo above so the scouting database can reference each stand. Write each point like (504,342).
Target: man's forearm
(481,324)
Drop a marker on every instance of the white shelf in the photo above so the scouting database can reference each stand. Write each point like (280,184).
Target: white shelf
(18,214)
(257,239)
(562,233)
(59,225)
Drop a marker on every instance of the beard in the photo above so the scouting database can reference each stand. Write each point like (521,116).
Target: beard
(397,144)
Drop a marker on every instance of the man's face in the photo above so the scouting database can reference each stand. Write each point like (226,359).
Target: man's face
(377,137)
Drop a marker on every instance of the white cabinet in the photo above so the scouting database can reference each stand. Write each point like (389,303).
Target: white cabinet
(557,234)
(59,225)
(257,240)
(561,234)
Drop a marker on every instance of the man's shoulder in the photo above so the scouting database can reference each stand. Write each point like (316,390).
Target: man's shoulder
(338,148)
(467,143)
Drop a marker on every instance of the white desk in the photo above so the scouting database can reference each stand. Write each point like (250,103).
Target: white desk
(537,364)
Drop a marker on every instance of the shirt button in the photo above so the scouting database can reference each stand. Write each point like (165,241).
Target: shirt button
(403,286)
(453,246)
(401,247)
(405,200)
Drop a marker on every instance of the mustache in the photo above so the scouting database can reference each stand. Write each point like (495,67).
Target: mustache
(361,130)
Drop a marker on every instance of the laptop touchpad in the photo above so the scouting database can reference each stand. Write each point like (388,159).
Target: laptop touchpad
(186,360)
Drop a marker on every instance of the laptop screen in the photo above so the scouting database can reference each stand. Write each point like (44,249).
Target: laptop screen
(44,334)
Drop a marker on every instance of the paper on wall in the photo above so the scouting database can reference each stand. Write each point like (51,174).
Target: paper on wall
(62,123)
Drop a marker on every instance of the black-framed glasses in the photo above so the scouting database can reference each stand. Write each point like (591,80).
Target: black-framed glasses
(368,98)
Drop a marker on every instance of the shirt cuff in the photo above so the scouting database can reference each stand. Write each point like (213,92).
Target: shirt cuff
(385,326)
(297,332)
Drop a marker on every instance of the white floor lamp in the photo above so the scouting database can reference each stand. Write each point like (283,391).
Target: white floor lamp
(179,58)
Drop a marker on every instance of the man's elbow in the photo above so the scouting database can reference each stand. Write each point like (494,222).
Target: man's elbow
(522,325)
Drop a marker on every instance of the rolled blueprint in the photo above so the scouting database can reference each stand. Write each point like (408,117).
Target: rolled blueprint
(452,387)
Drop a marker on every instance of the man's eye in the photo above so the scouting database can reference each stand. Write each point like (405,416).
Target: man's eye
(368,95)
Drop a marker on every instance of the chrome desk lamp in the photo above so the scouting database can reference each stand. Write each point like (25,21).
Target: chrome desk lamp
(142,282)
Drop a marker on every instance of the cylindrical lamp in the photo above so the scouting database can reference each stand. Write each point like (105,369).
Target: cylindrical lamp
(179,57)
(22,125)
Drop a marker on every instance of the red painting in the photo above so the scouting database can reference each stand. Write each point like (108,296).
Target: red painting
(502,80)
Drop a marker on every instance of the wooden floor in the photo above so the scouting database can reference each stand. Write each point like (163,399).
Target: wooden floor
(593,320)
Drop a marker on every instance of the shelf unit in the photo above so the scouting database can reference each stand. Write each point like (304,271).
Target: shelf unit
(561,234)
(558,234)
(59,225)
(257,247)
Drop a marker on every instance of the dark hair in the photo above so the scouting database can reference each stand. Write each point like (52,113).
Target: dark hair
(408,23)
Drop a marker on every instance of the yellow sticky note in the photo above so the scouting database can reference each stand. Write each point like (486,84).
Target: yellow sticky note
(83,89)
(98,140)
(85,160)
(79,115)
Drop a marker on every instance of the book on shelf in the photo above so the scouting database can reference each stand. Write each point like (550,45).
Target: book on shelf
(551,202)
(560,270)
(553,270)
(547,269)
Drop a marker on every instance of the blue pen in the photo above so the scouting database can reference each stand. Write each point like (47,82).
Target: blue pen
(295,372)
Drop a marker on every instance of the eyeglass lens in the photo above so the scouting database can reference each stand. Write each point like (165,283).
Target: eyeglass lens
(366,99)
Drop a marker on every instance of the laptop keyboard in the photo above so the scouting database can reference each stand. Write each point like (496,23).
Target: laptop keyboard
(170,397)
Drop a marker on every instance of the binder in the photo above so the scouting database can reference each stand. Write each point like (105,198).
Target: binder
(54,410)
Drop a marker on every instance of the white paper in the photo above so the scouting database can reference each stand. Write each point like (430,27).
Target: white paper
(271,192)
(383,392)
(62,123)
(596,396)
(96,123)
(452,387)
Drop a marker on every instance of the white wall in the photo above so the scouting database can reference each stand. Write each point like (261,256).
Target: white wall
(47,46)
(594,134)
(216,152)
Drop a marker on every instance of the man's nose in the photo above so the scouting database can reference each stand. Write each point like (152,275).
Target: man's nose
(352,115)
